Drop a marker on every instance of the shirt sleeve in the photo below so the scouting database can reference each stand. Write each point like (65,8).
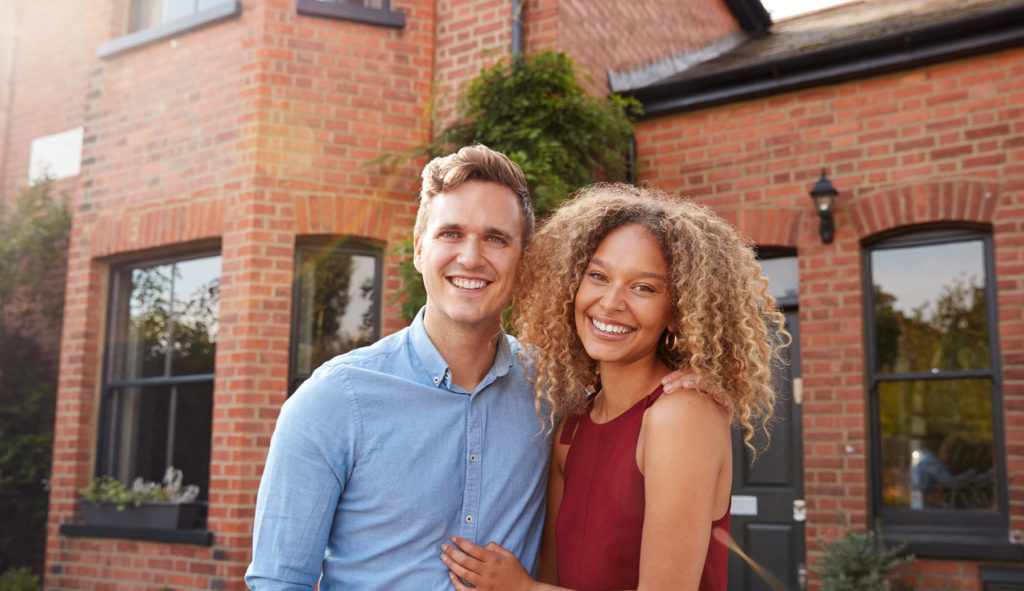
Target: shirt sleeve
(307,465)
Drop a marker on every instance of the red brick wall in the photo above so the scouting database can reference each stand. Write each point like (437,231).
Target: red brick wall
(471,35)
(604,34)
(599,34)
(43,66)
(932,144)
(250,133)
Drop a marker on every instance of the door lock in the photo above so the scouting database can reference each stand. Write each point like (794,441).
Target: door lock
(799,510)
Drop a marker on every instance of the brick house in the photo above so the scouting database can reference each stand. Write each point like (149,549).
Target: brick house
(226,186)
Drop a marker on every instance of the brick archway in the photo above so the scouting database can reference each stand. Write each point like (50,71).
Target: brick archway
(962,201)
(767,226)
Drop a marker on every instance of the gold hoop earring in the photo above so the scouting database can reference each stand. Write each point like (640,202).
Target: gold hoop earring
(670,340)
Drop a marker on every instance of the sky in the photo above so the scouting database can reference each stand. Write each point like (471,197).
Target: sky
(783,8)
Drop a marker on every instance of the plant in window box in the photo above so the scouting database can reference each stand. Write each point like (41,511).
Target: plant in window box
(106,501)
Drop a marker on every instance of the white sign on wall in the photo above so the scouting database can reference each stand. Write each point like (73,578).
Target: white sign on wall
(57,156)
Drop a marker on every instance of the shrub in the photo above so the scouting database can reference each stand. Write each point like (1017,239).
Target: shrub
(19,579)
(861,561)
(33,250)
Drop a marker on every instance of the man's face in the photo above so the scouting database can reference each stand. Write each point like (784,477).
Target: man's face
(468,254)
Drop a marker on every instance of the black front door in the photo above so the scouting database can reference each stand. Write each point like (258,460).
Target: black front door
(767,521)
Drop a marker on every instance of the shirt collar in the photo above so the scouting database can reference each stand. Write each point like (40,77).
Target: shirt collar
(437,369)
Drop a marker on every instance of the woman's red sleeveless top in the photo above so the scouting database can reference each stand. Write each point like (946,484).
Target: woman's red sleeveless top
(601,518)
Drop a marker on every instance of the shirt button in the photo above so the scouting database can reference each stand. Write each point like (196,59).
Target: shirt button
(469,519)
(472,457)
(436,380)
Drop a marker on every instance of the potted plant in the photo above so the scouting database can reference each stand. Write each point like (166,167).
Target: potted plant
(106,501)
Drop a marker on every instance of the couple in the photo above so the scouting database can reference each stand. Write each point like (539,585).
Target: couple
(432,433)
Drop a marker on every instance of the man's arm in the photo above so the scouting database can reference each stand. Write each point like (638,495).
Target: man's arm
(299,491)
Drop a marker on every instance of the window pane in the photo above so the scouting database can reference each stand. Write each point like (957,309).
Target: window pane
(150,13)
(783,276)
(195,303)
(149,313)
(937,450)
(929,308)
(161,426)
(181,298)
(336,309)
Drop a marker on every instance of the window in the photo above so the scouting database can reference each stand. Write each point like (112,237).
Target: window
(783,274)
(157,403)
(155,20)
(335,302)
(935,396)
(145,14)
(374,12)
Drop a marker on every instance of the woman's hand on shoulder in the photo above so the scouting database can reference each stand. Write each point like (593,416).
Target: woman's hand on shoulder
(489,567)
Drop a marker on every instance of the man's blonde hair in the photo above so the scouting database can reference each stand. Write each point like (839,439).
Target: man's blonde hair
(474,163)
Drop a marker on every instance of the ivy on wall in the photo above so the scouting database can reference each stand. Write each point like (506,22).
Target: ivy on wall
(533,109)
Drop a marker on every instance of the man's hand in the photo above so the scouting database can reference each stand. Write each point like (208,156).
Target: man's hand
(685,379)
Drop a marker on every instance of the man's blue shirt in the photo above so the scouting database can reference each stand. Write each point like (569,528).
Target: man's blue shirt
(378,458)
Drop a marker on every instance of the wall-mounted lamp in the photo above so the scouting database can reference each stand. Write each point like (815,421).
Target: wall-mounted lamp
(824,195)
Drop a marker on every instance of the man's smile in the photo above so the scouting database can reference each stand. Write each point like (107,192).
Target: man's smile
(468,282)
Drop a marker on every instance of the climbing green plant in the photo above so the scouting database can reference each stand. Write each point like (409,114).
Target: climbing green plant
(533,109)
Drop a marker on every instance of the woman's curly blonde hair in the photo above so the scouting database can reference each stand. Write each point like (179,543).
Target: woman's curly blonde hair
(729,329)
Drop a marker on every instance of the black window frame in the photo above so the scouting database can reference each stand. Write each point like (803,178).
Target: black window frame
(345,247)
(940,533)
(195,21)
(382,17)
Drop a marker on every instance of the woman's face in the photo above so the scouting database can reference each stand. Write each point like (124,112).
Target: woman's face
(622,304)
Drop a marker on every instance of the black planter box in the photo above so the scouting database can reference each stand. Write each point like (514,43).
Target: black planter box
(150,514)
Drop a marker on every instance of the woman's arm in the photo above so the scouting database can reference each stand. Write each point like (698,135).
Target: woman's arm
(685,454)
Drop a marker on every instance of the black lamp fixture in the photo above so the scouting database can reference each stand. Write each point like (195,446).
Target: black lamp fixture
(824,195)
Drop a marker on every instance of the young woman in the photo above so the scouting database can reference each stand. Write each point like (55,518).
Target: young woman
(621,286)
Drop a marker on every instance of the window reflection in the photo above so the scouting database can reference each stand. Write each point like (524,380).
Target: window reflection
(937,449)
(172,319)
(336,305)
(929,308)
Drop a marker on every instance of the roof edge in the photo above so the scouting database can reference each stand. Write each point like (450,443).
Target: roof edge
(955,39)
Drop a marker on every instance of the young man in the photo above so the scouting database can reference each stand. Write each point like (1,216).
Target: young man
(386,451)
